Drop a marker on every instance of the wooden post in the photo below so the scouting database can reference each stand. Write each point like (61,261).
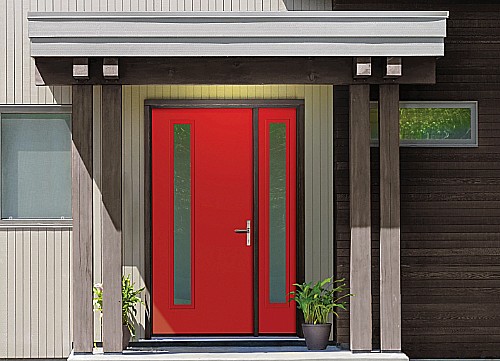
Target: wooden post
(359,180)
(111,189)
(81,185)
(390,290)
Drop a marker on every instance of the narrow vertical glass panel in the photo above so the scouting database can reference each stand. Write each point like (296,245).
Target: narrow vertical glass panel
(277,212)
(373,122)
(36,166)
(182,214)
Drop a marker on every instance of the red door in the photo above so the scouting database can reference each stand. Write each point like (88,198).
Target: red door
(202,190)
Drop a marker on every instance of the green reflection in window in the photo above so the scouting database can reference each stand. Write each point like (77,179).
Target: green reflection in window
(277,213)
(182,214)
(428,123)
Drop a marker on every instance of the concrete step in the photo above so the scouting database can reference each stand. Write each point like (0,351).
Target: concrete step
(285,353)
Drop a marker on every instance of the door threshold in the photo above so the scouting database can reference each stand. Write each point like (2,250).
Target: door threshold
(219,341)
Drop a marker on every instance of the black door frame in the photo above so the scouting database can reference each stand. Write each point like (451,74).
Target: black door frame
(299,105)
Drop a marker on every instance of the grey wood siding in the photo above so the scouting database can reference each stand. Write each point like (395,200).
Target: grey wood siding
(17,81)
(450,200)
(35,263)
(35,300)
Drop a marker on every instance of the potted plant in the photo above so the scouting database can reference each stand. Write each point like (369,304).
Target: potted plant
(317,301)
(130,298)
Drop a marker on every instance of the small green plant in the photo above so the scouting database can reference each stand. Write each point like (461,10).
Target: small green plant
(130,298)
(317,301)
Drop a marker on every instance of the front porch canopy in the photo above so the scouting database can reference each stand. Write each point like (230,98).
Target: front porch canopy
(239,48)
(293,33)
(354,48)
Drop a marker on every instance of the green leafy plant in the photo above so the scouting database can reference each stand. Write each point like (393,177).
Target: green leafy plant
(317,301)
(130,299)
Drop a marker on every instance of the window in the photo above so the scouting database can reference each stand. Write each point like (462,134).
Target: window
(35,164)
(433,124)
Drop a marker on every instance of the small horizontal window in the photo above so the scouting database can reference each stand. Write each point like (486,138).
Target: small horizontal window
(432,124)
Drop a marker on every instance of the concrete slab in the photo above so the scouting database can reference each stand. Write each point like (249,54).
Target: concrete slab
(240,354)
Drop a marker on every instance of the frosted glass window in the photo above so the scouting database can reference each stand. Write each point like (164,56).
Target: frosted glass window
(182,214)
(277,212)
(36,166)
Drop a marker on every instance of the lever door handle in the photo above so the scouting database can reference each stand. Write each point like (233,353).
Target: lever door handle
(247,231)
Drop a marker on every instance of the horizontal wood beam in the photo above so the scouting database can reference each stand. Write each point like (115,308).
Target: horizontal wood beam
(110,68)
(234,70)
(362,67)
(394,67)
(81,68)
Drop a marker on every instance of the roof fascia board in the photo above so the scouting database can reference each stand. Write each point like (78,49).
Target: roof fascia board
(297,33)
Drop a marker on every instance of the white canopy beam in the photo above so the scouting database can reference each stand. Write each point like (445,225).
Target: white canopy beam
(293,33)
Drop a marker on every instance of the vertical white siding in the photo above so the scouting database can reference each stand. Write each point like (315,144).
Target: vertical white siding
(210,5)
(43,343)
(34,263)
(17,81)
(65,280)
(4,296)
(3,55)
(50,331)
(10,281)
(35,300)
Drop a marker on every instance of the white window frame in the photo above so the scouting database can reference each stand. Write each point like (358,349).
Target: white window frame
(440,143)
(41,222)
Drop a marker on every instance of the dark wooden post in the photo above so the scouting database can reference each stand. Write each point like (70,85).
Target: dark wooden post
(359,181)
(111,189)
(390,289)
(81,184)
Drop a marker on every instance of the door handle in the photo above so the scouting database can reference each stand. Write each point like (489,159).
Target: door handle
(247,231)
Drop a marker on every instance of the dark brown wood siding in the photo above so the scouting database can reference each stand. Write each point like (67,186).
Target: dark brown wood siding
(450,198)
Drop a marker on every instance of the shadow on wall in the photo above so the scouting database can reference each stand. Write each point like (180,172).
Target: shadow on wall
(60,94)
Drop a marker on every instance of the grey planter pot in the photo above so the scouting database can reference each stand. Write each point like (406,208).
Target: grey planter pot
(126,336)
(316,335)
